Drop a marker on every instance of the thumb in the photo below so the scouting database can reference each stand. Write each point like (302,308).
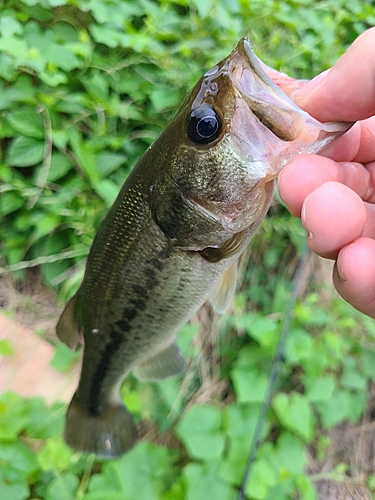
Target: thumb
(346,92)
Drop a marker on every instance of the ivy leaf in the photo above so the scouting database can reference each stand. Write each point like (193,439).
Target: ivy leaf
(249,385)
(322,389)
(294,412)
(138,472)
(200,431)
(262,478)
(202,481)
(63,486)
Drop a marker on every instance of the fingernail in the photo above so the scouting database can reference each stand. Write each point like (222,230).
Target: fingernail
(310,234)
(340,272)
(303,212)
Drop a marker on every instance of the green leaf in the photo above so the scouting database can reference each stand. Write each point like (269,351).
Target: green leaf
(13,416)
(10,26)
(336,410)
(27,122)
(25,151)
(10,202)
(262,478)
(107,190)
(62,57)
(60,166)
(203,482)
(55,455)
(306,488)
(204,7)
(165,99)
(109,162)
(85,156)
(14,47)
(17,461)
(322,389)
(299,346)
(200,431)
(6,348)
(109,495)
(7,72)
(64,358)
(139,472)
(106,35)
(368,362)
(45,224)
(354,380)
(262,329)
(17,490)
(97,86)
(63,487)
(289,455)
(294,412)
(239,423)
(351,377)
(44,422)
(249,385)
(53,78)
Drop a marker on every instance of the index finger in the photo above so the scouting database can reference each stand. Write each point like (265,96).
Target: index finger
(347,91)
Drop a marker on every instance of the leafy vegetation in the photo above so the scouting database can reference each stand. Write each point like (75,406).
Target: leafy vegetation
(85,87)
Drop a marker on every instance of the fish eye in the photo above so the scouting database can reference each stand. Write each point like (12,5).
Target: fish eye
(204,125)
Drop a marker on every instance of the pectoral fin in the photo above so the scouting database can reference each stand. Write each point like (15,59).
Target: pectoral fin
(231,247)
(67,329)
(165,363)
(224,289)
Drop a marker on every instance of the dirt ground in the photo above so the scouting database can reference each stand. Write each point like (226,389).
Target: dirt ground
(28,314)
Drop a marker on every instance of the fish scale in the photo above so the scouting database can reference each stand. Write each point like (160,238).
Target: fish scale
(174,235)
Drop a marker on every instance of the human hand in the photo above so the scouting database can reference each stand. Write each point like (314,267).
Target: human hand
(334,194)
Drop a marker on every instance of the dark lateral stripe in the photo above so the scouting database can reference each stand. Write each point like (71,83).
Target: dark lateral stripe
(118,333)
(116,339)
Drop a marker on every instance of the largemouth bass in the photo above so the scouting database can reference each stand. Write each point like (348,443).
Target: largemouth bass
(174,235)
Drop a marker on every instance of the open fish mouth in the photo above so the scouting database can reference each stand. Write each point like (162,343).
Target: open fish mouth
(273,108)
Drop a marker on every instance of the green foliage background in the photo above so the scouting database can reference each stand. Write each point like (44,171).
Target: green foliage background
(85,87)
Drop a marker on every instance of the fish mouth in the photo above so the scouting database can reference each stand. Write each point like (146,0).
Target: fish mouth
(271,106)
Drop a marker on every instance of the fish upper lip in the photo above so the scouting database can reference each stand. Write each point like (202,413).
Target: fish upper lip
(269,103)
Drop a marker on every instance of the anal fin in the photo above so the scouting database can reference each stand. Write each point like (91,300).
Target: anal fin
(224,289)
(67,329)
(165,363)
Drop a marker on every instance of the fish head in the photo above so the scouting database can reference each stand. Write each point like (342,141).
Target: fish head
(231,138)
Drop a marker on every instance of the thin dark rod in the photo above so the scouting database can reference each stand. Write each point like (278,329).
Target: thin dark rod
(275,370)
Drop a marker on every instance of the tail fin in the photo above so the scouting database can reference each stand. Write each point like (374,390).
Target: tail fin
(109,435)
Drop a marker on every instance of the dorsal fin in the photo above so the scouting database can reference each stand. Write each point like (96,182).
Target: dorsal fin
(67,329)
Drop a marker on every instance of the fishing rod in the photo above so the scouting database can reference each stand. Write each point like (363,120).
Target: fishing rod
(275,370)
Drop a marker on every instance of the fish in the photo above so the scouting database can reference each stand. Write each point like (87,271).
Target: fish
(174,235)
